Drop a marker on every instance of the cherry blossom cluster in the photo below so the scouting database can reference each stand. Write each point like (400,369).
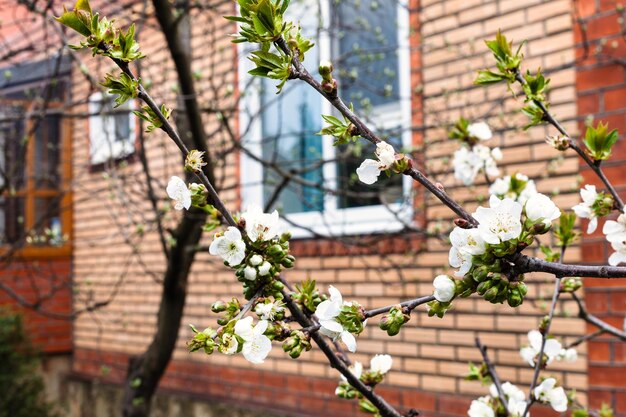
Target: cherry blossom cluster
(474,157)
(505,227)
(379,366)
(598,204)
(490,405)
(339,319)
(387,161)
(552,350)
(516,187)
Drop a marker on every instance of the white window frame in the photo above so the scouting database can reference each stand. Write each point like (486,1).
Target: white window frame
(333,221)
(103,145)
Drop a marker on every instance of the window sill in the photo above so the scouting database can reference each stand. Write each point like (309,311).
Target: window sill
(38,252)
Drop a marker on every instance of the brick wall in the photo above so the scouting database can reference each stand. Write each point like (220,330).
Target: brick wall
(601,93)
(47,282)
(430,354)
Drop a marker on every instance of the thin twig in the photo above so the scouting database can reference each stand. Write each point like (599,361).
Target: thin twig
(410,304)
(492,371)
(595,167)
(544,335)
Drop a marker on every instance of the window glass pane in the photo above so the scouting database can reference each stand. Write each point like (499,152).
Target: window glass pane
(122,124)
(47,152)
(47,227)
(11,219)
(387,190)
(13,147)
(366,44)
(290,122)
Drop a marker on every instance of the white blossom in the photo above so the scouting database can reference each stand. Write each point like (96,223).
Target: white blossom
(249,272)
(615,232)
(229,345)
(444,288)
(547,393)
(177,190)
(370,169)
(255,260)
(551,349)
(619,256)
(466,165)
(381,364)
(267,311)
(460,259)
(528,191)
(256,345)
(230,246)
(261,226)
(467,240)
(327,312)
(539,206)
(517,407)
(264,268)
(465,243)
(469,162)
(568,355)
(509,390)
(480,409)
(503,188)
(584,210)
(356,369)
(480,130)
(500,222)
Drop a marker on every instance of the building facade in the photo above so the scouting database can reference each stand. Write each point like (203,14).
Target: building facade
(378,248)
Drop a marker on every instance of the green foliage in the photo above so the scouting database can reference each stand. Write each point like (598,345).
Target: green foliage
(298,43)
(551,256)
(307,295)
(479,373)
(344,131)
(101,34)
(507,63)
(147,114)
(459,130)
(21,387)
(535,113)
(202,340)
(124,86)
(599,141)
(271,65)
(297,343)
(261,20)
(564,231)
(605,410)
(231,309)
(535,86)
(392,322)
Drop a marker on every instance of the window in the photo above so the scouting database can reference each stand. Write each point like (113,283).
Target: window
(35,158)
(111,129)
(34,172)
(367,41)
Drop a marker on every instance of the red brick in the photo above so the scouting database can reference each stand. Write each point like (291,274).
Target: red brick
(615,99)
(599,77)
(597,302)
(618,301)
(597,398)
(418,400)
(598,351)
(588,104)
(600,27)
(607,376)
(454,405)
